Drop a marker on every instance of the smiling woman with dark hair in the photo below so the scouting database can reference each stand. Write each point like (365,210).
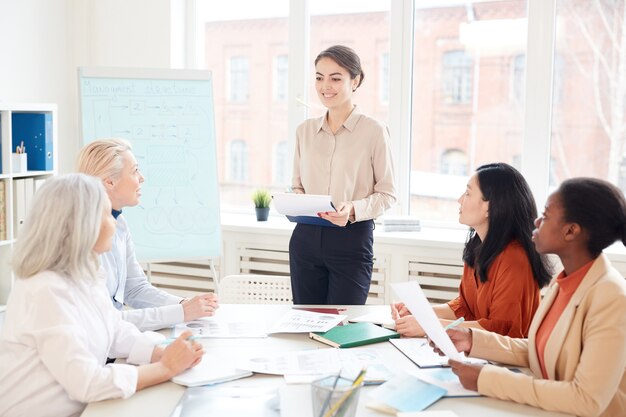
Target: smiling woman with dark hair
(503,273)
(344,154)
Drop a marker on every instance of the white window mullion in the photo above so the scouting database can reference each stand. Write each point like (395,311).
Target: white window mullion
(400,87)
(299,70)
(538,107)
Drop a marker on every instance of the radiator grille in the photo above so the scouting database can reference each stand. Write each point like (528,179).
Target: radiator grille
(268,260)
(439,278)
(184,279)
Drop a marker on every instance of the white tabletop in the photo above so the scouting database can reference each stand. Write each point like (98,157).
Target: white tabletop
(160,400)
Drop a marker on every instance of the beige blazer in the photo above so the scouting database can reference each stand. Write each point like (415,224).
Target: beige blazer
(585,354)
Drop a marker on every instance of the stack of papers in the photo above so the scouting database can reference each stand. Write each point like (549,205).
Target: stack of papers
(293,321)
(211,370)
(302,367)
(378,317)
(401,224)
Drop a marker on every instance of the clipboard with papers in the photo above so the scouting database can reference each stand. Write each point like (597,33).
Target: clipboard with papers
(303,208)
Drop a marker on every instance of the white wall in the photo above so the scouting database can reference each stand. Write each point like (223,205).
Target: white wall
(44,41)
(34,57)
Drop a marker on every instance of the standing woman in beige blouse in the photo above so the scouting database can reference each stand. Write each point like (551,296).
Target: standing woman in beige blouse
(344,154)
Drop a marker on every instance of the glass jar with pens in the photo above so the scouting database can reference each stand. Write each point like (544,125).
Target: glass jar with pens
(335,396)
(19,161)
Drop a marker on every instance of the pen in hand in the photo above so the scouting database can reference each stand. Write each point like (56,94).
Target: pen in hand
(454,323)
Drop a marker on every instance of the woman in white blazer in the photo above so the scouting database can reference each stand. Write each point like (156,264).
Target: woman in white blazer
(60,325)
(576,349)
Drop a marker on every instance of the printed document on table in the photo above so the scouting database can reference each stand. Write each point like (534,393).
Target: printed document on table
(314,361)
(292,204)
(215,328)
(379,363)
(411,294)
(302,321)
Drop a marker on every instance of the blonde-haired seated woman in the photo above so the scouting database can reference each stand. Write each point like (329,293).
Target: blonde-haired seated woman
(113,162)
(60,326)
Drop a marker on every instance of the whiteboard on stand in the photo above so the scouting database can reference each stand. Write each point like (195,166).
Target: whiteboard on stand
(168,117)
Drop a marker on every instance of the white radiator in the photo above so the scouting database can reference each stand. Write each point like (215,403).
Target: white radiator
(271,260)
(184,279)
(439,278)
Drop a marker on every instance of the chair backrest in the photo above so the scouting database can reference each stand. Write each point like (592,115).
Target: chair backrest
(255,289)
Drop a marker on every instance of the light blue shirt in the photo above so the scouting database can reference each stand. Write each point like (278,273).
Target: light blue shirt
(127,284)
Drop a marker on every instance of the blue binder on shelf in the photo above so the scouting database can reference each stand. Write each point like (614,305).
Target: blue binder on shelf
(35,130)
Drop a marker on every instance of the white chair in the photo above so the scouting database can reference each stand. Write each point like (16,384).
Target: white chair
(255,289)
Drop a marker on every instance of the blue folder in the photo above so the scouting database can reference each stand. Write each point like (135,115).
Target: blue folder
(35,130)
(316,221)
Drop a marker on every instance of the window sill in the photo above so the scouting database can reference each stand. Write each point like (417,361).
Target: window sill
(279,226)
(436,237)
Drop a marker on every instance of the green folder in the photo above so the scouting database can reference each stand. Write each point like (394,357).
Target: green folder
(354,334)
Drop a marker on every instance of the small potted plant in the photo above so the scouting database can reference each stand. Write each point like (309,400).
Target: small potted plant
(262,199)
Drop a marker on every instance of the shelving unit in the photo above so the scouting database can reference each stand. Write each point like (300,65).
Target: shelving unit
(32,178)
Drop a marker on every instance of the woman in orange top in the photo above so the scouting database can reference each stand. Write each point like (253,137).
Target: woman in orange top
(576,347)
(502,273)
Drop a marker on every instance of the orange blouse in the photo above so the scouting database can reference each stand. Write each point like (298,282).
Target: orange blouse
(506,303)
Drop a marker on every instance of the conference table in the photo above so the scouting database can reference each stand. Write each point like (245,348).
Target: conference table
(295,399)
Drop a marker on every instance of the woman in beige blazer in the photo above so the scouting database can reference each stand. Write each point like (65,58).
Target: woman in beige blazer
(576,347)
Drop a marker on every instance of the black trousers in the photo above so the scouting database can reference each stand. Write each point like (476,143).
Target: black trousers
(331,265)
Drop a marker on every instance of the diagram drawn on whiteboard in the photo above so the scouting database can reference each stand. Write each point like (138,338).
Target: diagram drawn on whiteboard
(170,124)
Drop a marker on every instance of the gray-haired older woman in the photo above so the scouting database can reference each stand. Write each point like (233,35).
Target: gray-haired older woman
(60,325)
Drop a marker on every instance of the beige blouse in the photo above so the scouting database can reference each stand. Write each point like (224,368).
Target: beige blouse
(352,165)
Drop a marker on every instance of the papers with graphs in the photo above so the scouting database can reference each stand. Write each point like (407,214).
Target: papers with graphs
(223,325)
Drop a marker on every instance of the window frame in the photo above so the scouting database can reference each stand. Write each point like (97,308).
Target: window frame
(535,164)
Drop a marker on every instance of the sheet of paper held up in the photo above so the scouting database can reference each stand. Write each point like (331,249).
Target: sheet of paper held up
(411,294)
(292,204)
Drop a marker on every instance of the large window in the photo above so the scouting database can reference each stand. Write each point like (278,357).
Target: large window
(462,115)
(244,43)
(589,120)
(364,27)
(459,83)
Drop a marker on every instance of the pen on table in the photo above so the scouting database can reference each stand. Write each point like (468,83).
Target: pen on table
(454,323)
(171,339)
(357,381)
